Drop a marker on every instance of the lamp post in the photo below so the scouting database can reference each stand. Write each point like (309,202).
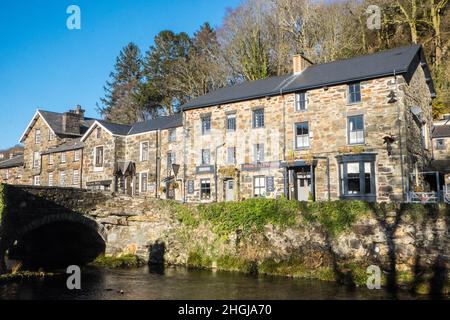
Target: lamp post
(215,170)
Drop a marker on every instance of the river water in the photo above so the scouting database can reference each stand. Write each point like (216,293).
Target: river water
(187,284)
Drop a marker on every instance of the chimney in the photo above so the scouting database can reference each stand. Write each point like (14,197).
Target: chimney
(71,121)
(300,63)
(80,111)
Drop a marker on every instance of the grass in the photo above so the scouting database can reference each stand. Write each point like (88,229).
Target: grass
(127,261)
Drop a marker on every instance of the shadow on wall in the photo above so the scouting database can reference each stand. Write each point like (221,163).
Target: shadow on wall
(156,257)
(45,234)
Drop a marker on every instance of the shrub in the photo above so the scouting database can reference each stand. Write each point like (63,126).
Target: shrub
(127,261)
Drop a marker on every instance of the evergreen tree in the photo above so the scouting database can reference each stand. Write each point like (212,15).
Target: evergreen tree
(120,103)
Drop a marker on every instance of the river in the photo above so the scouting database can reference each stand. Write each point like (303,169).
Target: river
(184,284)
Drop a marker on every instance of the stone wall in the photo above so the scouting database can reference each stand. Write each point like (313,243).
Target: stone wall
(69,166)
(11,175)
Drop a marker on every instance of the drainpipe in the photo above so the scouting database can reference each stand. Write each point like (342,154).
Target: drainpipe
(184,154)
(157,165)
(286,171)
(400,140)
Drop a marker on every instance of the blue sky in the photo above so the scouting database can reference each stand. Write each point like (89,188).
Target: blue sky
(44,65)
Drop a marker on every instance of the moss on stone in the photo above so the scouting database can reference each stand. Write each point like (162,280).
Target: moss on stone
(232,263)
(127,261)
(25,275)
(198,259)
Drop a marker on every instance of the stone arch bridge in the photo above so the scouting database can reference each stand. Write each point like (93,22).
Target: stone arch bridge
(51,226)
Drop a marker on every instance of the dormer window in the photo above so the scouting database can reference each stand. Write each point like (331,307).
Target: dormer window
(354,92)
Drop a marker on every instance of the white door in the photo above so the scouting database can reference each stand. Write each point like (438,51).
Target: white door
(229,190)
(303,186)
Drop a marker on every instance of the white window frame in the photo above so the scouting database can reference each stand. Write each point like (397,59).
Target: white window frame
(257,151)
(202,158)
(141,185)
(37,136)
(51,135)
(141,153)
(77,181)
(63,157)
(358,140)
(172,137)
(7,174)
(230,117)
(98,132)
(51,160)
(76,155)
(62,182)
(98,168)
(50,179)
(37,180)
(259,187)
(297,101)
(36,159)
(307,136)
(233,159)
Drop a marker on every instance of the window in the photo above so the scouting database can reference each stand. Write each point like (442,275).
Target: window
(259,186)
(76,178)
(206,125)
(172,135)
(63,157)
(50,179)
(143,181)
(98,157)
(37,136)
(206,157)
(76,155)
(7,174)
(231,155)
(258,152)
(170,159)
(301,102)
(2,155)
(440,144)
(205,189)
(231,122)
(50,159)
(302,135)
(36,160)
(62,178)
(98,133)
(356,129)
(37,180)
(144,151)
(354,93)
(51,135)
(357,176)
(258,118)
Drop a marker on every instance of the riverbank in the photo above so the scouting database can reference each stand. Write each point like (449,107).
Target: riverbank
(332,241)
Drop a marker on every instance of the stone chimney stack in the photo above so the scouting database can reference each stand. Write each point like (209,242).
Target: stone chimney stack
(71,120)
(300,63)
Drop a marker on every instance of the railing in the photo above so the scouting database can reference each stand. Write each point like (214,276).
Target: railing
(423,197)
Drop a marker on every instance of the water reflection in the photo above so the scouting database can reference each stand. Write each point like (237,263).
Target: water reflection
(154,283)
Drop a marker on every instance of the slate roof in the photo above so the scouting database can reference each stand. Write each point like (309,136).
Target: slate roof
(158,123)
(115,128)
(384,63)
(55,121)
(74,144)
(442,131)
(16,161)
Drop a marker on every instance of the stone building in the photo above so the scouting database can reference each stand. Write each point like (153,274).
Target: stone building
(11,153)
(134,160)
(350,129)
(47,152)
(11,170)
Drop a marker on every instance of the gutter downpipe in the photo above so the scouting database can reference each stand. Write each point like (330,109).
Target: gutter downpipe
(286,171)
(400,141)
(184,153)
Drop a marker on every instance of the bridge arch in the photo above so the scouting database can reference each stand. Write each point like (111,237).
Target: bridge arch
(57,240)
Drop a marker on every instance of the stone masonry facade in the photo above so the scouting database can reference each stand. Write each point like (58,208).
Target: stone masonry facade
(366,139)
